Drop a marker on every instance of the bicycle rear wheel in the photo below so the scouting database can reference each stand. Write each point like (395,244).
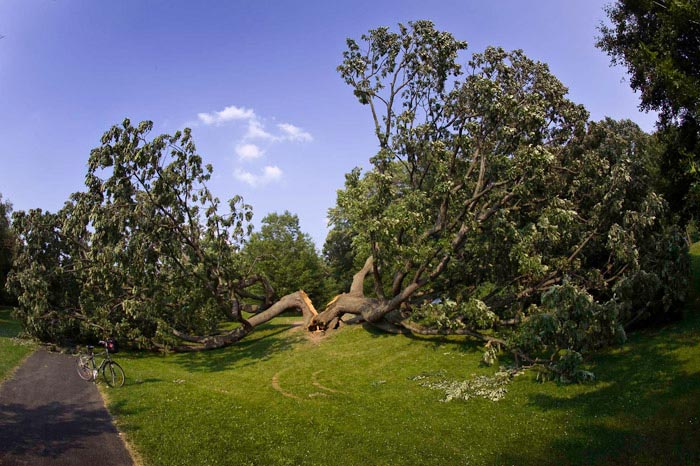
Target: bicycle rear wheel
(113,374)
(83,366)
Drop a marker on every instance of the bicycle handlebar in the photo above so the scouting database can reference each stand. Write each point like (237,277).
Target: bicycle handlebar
(101,342)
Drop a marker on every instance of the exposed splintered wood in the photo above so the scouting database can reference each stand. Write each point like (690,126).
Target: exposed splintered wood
(346,303)
(310,310)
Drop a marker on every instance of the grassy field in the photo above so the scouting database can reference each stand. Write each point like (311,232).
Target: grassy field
(282,397)
(12,351)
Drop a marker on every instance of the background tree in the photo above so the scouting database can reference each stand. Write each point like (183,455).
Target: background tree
(287,257)
(658,41)
(338,252)
(7,249)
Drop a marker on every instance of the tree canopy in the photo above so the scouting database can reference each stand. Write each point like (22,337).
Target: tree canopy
(658,41)
(144,253)
(493,196)
(493,208)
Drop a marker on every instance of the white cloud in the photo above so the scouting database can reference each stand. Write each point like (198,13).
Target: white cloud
(272,173)
(256,130)
(230,113)
(294,133)
(256,126)
(249,151)
(269,174)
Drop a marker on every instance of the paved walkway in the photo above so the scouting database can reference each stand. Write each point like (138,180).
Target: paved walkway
(50,416)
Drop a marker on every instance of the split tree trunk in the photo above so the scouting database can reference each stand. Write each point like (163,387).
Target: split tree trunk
(353,302)
(298,300)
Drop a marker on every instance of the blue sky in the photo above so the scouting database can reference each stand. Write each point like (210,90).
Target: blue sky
(255,80)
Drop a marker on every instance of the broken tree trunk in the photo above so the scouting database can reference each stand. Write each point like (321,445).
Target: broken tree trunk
(354,302)
(298,300)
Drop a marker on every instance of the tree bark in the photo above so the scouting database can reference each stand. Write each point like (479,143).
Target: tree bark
(298,300)
(353,302)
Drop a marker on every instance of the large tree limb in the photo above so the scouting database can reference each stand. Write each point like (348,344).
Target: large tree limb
(358,280)
(298,300)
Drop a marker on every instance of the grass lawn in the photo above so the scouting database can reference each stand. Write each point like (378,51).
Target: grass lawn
(12,351)
(282,398)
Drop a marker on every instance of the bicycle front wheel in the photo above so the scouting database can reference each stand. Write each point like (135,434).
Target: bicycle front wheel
(83,366)
(113,374)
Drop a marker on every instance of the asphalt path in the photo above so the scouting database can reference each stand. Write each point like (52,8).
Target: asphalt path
(50,416)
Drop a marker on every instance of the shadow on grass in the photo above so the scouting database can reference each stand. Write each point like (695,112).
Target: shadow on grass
(645,408)
(123,409)
(130,382)
(260,345)
(9,327)
(460,343)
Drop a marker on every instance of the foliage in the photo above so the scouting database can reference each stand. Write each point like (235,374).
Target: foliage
(658,41)
(44,276)
(490,188)
(287,257)
(7,248)
(472,313)
(142,251)
(492,388)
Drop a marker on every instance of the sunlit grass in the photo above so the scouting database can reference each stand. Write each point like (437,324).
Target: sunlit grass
(281,397)
(12,350)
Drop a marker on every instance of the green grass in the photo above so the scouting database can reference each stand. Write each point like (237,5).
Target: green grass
(12,351)
(281,398)
(221,407)
(348,399)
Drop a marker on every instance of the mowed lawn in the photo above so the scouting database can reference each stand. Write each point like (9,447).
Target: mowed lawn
(12,350)
(283,397)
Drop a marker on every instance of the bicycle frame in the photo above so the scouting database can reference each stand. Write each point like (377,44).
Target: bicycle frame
(96,369)
(88,368)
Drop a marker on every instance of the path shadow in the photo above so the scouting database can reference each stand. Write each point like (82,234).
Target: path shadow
(50,430)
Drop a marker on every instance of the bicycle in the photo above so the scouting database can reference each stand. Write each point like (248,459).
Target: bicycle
(111,371)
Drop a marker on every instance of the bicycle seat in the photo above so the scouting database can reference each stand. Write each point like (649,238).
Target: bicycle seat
(90,347)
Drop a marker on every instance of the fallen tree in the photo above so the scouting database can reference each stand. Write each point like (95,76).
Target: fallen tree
(493,209)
